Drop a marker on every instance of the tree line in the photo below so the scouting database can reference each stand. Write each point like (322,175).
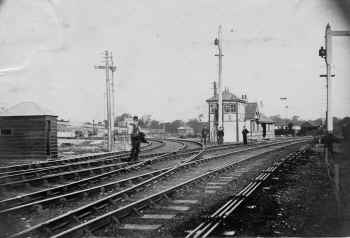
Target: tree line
(169,127)
(197,123)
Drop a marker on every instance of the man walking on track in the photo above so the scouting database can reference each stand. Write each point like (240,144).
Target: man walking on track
(135,140)
(244,133)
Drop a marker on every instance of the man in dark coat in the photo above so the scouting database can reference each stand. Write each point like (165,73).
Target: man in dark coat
(244,133)
(135,140)
(205,133)
(220,135)
(263,125)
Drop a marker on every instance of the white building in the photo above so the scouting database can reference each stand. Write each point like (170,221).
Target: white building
(233,110)
(259,125)
(236,113)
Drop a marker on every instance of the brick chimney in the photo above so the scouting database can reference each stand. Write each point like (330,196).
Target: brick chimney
(215,90)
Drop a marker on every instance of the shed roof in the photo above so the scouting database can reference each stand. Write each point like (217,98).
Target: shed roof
(308,124)
(26,109)
(250,110)
(265,119)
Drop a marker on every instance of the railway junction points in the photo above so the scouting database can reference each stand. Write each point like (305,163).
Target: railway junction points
(178,189)
(236,172)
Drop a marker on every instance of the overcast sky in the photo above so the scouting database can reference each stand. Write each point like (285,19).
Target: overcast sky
(165,55)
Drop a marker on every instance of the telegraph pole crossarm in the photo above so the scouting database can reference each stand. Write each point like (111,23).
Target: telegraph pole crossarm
(340,33)
(99,67)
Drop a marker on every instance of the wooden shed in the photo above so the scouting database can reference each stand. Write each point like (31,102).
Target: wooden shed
(28,132)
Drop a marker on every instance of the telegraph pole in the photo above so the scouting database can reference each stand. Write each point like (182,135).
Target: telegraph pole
(218,42)
(106,67)
(329,61)
(113,69)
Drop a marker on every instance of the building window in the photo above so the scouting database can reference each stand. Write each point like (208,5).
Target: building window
(230,108)
(6,132)
(212,108)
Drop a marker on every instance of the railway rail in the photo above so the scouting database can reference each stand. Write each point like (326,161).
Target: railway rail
(69,169)
(74,171)
(26,176)
(101,173)
(134,207)
(89,218)
(8,170)
(32,199)
(69,190)
(213,221)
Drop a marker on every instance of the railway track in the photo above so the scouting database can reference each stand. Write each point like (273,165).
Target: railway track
(15,169)
(124,168)
(7,179)
(32,199)
(217,218)
(33,185)
(63,191)
(79,170)
(79,220)
(179,144)
(65,168)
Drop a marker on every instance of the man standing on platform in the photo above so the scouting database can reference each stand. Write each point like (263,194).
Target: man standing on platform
(244,133)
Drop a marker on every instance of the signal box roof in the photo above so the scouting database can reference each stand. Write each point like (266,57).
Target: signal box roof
(226,96)
(26,109)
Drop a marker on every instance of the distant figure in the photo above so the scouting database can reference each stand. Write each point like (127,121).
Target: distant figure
(220,135)
(263,125)
(205,133)
(135,139)
(244,133)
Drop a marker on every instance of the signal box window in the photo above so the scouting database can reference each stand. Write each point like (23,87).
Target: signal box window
(6,132)
(230,108)
(212,108)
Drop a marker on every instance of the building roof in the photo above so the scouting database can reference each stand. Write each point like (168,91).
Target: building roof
(252,113)
(251,108)
(308,124)
(26,109)
(226,96)
(265,119)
